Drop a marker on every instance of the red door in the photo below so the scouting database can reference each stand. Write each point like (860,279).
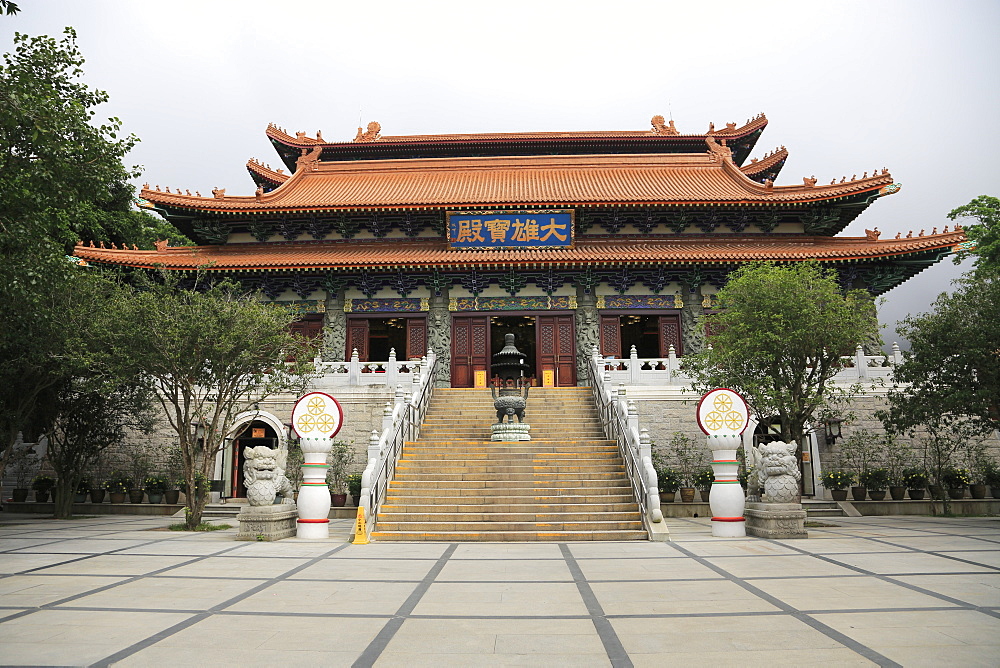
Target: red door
(611,341)
(670,335)
(469,350)
(416,338)
(357,338)
(557,347)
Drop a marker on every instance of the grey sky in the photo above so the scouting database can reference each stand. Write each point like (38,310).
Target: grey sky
(848,87)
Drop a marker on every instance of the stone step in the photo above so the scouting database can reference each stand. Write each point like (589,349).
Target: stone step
(628,516)
(511,458)
(558,475)
(540,483)
(506,536)
(389,525)
(509,505)
(508,497)
(551,445)
(525,466)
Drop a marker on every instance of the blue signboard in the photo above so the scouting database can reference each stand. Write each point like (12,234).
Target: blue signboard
(510,229)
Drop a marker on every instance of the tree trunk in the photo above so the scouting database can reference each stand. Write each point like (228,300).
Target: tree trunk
(195,501)
(63,495)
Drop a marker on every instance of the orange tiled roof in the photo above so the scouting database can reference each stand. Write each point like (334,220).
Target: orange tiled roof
(756,166)
(435,254)
(265,171)
(574,180)
(300,139)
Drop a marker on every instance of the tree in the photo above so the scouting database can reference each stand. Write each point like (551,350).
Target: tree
(951,373)
(779,338)
(984,235)
(210,355)
(61,179)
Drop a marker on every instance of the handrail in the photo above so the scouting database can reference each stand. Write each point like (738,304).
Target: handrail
(621,424)
(400,423)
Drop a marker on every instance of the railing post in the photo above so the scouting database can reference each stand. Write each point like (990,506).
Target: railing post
(897,356)
(392,369)
(387,416)
(633,417)
(671,364)
(633,366)
(354,369)
(373,444)
(860,362)
(398,398)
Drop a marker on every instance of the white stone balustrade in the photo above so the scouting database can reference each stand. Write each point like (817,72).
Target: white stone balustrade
(355,372)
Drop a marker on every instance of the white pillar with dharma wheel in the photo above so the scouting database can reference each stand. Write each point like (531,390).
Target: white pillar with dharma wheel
(316,418)
(723,416)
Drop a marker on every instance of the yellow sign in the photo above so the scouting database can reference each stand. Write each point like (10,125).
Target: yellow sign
(480,376)
(360,534)
(722,411)
(317,414)
(548,378)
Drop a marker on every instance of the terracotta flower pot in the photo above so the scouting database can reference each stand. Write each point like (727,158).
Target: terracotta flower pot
(916,494)
(858,493)
(155,497)
(839,494)
(705,493)
(20,495)
(977,491)
(937,492)
(956,493)
(117,497)
(135,495)
(687,494)
(667,497)
(338,500)
(897,493)
(96,495)
(171,496)
(41,497)
(877,494)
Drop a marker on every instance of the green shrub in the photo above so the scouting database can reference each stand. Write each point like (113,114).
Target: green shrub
(991,474)
(836,479)
(915,478)
(876,479)
(157,484)
(955,478)
(118,482)
(354,485)
(704,478)
(669,479)
(43,483)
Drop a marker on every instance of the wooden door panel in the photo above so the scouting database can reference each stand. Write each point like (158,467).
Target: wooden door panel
(670,335)
(469,349)
(416,338)
(357,338)
(611,341)
(557,347)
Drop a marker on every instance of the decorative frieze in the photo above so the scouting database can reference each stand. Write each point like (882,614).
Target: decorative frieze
(400,305)
(456,304)
(639,301)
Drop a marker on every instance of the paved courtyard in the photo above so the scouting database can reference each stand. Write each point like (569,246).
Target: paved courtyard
(115,590)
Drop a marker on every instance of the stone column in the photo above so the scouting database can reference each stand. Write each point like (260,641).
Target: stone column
(334,328)
(691,331)
(587,333)
(439,336)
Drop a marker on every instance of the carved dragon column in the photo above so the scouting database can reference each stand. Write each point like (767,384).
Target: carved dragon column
(691,330)
(587,333)
(439,336)
(334,327)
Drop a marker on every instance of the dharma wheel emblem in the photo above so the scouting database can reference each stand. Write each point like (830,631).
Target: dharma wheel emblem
(722,411)
(317,415)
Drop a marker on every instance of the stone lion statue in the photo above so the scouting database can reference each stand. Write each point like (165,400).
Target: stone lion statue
(779,472)
(264,475)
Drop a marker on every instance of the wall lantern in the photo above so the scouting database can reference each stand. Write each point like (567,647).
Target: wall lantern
(832,430)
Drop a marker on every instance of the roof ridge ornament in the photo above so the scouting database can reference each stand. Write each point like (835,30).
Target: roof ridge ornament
(661,129)
(161,245)
(372,134)
(219,193)
(717,150)
(308,158)
(809,181)
(872,235)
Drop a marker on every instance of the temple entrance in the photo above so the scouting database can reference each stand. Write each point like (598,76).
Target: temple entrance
(652,334)
(548,341)
(256,433)
(373,338)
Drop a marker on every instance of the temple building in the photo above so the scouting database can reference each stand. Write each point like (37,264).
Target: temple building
(566,239)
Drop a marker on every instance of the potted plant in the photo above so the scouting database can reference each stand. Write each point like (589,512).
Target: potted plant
(96,475)
(24,463)
(689,459)
(991,477)
(354,488)
(703,482)
(42,484)
(915,480)
(82,488)
(118,485)
(955,481)
(175,472)
(837,481)
(875,480)
(669,481)
(155,486)
(341,456)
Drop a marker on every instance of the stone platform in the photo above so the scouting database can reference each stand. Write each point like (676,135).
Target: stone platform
(267,523)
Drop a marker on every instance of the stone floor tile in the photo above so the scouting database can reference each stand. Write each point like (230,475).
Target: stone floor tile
(230,654)
(69,637)
(734,547)
(504,570)
(644,569)
(507,551)
(380,570)
(501,599)
(431,659)
(37,590)
(855,593)
(985,557)
(168,594)
(907,562)
(794,658)
(641,598)
(789,565)
(303,596)
(240,567)
(979,589)
(115,564)
(601,550)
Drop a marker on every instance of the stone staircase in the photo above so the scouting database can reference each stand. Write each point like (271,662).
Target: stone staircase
(454,484)
(820,508)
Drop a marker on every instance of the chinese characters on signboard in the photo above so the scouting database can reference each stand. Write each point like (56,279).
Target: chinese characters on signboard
(510,229)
